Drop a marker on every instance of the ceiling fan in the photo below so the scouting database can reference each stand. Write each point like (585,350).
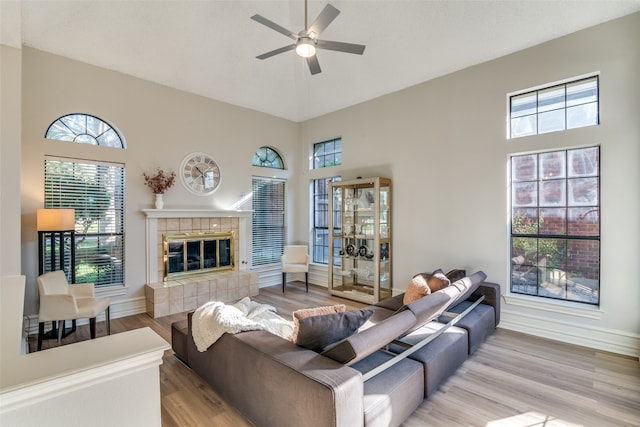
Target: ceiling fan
(308,40)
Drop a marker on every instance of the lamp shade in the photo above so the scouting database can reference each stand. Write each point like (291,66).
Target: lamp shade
(56,219)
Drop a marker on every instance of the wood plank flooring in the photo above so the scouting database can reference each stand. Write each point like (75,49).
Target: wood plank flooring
(513,379)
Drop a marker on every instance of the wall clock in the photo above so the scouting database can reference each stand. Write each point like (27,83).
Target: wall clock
(200,174)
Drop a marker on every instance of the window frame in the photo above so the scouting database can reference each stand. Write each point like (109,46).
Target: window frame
(548,86)
(73,131)
(278,160)
(104,266)
(263,238)
(526,268)
(317,226)
(319,149)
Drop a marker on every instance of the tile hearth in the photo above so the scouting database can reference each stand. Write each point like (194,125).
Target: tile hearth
(189,293)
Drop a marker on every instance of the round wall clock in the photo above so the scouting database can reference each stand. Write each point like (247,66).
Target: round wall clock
(200,174)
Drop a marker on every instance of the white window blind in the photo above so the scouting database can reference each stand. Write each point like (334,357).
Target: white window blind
(268,220)
(96,192)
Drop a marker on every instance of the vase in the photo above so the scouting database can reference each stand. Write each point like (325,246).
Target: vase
(159,201)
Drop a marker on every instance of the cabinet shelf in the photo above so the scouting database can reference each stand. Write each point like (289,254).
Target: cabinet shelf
(360,239)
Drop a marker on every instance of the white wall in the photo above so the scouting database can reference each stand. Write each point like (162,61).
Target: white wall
(160,125)
(10,118)
(442,142)
(444,145)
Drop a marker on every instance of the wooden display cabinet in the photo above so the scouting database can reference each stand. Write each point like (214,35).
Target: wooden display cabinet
(360,239)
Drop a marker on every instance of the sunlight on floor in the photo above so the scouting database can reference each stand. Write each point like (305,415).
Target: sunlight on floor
(531,419)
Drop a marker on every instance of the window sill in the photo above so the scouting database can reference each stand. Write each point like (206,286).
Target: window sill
(554,306)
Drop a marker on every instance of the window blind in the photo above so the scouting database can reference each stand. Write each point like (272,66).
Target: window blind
(96,192)
(268,220)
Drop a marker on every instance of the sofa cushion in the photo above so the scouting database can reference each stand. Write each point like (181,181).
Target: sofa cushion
(391,396)
(317,332)
(315,311)
(466,286)
(427,308)
(392,303)
(358,346)
(441,357)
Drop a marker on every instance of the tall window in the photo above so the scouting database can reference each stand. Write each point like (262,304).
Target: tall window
(327,153)
(96,192)
(267,157)
(85,129)
(555,224)
(321,200)
(268,220)
(554,108)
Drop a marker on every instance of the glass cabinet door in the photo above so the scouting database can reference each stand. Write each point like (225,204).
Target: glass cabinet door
(360,244)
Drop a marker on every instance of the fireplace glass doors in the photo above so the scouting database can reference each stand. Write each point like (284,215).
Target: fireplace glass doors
(191,253)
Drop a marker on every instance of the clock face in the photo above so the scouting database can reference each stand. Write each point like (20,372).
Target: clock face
(200,174)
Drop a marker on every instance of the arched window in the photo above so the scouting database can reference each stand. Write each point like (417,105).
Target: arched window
(267,157)
(95,189)
(85,129)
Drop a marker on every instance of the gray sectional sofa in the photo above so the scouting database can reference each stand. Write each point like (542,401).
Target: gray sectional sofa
(376,377)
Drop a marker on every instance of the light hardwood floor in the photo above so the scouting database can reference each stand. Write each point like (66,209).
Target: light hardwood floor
(511,380)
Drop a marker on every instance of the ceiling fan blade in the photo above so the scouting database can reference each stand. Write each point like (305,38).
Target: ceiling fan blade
(358,49)
(326,17)
(314,65)
(276,51)
(274,26)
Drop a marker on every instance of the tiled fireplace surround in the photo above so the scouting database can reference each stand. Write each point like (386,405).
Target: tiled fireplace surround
(188,293)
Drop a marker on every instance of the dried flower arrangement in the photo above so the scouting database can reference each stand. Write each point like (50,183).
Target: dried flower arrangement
(160,182)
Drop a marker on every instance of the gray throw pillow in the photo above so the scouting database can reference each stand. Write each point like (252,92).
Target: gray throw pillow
(317,332)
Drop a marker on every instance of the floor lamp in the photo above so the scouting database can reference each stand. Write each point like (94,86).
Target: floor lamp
(54,226)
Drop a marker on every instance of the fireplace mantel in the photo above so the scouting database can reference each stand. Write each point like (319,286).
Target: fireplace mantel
(195,213)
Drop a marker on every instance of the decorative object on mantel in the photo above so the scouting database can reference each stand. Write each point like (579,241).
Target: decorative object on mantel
(159,183)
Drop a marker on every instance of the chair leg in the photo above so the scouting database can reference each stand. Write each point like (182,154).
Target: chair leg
(284,279)
(60,330)
(107,314)
(92,327)
(40,335)
(306,280)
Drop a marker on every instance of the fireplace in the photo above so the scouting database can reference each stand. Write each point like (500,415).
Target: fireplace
(186,254)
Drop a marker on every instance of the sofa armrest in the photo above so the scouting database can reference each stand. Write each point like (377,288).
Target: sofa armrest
(491,293)
(273,382)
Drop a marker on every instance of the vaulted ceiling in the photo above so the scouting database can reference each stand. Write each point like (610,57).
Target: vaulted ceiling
(210,47)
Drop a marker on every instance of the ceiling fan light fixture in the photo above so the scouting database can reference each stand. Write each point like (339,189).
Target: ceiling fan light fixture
(305,47)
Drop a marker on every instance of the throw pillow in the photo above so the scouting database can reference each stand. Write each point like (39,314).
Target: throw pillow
(437,281)
(317,332)
(309,312)
(418,287)
(456,274)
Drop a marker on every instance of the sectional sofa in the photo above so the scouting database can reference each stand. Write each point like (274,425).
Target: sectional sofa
(375,377)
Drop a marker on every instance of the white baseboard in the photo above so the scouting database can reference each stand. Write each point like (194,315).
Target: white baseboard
(613,341)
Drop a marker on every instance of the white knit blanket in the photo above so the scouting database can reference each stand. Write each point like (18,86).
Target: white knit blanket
(214,318)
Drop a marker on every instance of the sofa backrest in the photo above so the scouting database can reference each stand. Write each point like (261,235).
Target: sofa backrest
(362,344)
